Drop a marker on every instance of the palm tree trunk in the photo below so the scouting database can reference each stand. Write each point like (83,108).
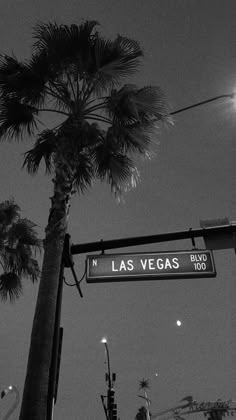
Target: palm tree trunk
(34,402)
(52,391)
(147,405)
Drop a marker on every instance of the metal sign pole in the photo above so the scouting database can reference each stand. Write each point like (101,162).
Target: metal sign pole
(219,231)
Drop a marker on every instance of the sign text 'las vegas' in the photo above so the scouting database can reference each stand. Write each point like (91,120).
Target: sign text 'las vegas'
(150,266)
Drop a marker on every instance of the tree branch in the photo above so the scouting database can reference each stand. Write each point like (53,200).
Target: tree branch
(2,265)
(95,107)
(53,94)
(52,110)
(71,86)
(59,96)
(98,118)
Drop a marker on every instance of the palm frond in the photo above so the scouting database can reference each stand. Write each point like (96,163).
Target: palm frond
(61,95)
(121,174)
(9,259)
(80,52)
(10,69)
(144,384)
(9,213)
(23,232)
(10,287)
(135,138)
(114,60)
(84,173)
(16,118)
(50,36)
(151,102)
(131,104)
(121,107)
(44,149)
(31,270)
(112,165)
(65,45)
(77,136)
(24,81)
(18,259)
(18,241)
(77,142)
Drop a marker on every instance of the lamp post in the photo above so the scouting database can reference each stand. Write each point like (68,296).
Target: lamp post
(111,408)
(108,374)
(9,390)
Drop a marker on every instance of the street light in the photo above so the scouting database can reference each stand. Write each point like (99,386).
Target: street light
(216,98)
(108,375)
(11,390)
(111,408)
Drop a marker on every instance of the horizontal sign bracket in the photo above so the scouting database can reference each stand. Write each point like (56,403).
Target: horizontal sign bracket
(219,231)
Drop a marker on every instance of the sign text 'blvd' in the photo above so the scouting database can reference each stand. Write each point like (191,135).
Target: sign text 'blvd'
(150,266)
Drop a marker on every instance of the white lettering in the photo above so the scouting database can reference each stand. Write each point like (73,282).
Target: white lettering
(130,265)
(199,266)
(160,264)
(151,264)
(144,264)
(167,264)
(198,257)
(175,262)
(113,266)
(95,263)
(122,265)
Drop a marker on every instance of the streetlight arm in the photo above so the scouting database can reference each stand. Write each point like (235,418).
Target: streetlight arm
(229,95)
(109,368)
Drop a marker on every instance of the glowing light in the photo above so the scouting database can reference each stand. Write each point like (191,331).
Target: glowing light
(104,340)
(234,100)
(10,387)
(179,323)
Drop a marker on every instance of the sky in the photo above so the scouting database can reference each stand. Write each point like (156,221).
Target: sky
(189,50)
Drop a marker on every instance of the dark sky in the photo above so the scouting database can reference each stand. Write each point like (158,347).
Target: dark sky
(190,52)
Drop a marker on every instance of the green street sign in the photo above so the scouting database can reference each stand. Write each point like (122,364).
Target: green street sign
(150,266)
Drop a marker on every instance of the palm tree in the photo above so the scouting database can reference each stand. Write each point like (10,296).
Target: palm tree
(144,385)
(76,75)
(18,243)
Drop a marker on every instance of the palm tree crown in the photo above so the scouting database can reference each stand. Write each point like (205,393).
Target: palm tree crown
(144,384)
(18,242)
(75,73)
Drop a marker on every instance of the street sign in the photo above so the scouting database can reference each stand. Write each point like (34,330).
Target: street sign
(150,266)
